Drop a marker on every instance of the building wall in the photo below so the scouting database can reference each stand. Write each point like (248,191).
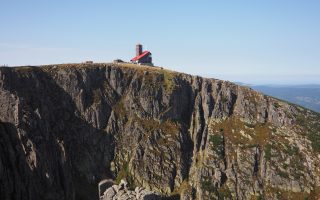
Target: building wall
(146,59)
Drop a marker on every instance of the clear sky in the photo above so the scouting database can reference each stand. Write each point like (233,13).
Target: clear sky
(252,41)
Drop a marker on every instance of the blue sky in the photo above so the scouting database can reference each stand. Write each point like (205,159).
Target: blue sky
(272,42)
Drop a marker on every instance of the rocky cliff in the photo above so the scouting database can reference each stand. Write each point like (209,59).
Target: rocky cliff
(65,128)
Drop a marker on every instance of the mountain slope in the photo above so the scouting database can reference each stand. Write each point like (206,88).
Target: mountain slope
(64,128)
(304,95)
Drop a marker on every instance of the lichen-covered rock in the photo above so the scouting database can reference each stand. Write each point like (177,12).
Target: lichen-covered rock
(121,192)
(65,128)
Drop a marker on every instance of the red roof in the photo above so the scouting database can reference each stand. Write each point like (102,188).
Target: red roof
(145,53)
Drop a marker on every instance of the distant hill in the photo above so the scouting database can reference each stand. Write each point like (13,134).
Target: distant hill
(305,95)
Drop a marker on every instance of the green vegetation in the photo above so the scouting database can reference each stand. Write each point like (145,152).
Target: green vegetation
(220,193)
(260,133)
(168,82)
(267,151)
(260,197)
(272,192)
(276,105)
(207,185)
(315,141)
(249,125)
(296,161)
(124,173)
(150,80)
(300,119)
(168,127)
(119,108)
(291,150)
(23,69)
(224,99)
(185,187)
(217,143)
(96,96)
(283,174)
(311,127)
(250,146)
(224,192)
(257,197)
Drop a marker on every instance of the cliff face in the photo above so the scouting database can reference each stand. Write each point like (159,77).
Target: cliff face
(63,129)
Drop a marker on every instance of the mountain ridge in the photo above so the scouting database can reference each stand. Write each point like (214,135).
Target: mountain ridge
(67,127)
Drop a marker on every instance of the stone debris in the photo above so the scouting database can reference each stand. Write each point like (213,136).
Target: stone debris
(121,192)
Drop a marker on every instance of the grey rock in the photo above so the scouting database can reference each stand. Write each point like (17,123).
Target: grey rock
(124,194)
(64,128)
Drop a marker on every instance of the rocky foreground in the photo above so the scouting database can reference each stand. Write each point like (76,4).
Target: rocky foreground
(65,128)
(122,192)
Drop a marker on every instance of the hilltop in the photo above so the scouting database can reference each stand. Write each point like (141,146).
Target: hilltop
(64,128)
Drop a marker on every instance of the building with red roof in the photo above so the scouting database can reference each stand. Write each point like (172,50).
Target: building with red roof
(142,57)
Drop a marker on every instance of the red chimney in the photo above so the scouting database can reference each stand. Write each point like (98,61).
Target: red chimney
(138,49)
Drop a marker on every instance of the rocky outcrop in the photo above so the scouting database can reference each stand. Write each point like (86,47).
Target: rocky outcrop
(65,128)
(122,192)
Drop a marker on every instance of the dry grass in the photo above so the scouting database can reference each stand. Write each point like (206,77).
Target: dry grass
(282,194)
(168,127)
(184,187)
(119,108)
(232,128)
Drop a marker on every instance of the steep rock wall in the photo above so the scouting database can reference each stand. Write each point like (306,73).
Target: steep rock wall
(64,128)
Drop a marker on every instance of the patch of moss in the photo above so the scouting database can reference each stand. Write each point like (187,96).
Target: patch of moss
(168,126)
(96,96)
(267,152)
(150,80)
(277,193)
(249,125)
(315,141)
(217,144)
(291,150)
(156,177)
(23,68)
(184,187)
(214,192)
(224,99)
(283,174)
(315,193)
(119,108)
(224,192)
(260,197)
(301,120)
(124,173)
(276,105)
(168,82)
(233,126)
(257,197)
(245,146)
(207,185)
